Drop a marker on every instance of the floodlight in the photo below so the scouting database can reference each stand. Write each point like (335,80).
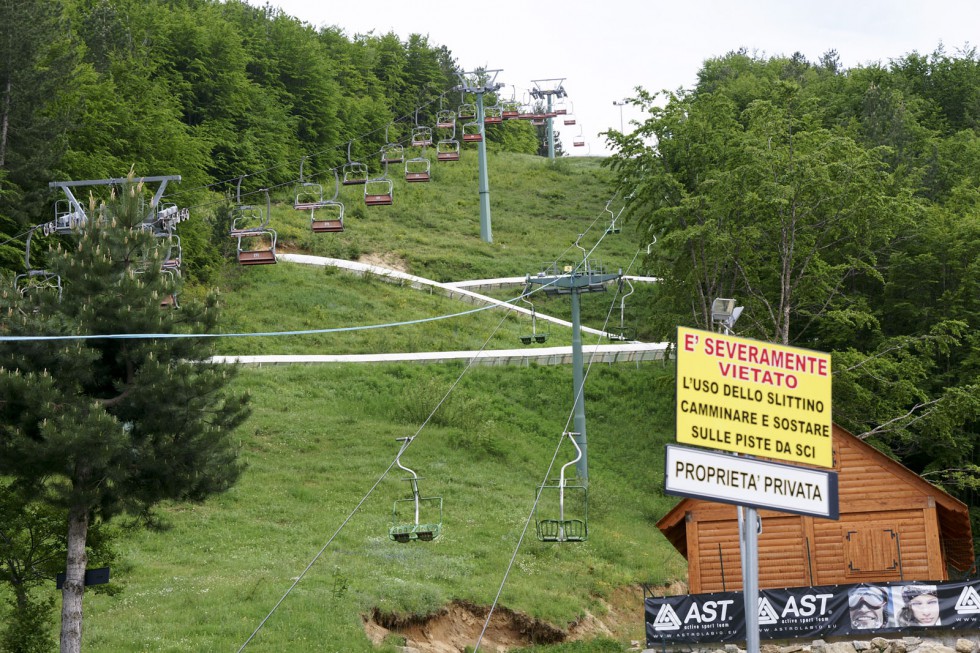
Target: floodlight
(724,312)
(722,309)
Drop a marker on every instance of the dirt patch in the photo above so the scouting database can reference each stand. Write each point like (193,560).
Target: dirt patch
(385,260)
(459,625)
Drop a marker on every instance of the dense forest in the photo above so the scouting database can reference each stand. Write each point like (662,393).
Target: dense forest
(841,207)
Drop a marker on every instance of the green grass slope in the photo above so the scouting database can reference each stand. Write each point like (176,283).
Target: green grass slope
(308,522)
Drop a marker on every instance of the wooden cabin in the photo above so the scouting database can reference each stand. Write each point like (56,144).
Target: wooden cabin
(893,525)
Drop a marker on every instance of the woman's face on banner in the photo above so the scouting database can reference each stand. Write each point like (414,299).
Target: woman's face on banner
(925,608)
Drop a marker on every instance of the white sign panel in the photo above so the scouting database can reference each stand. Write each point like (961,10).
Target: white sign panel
(743,481)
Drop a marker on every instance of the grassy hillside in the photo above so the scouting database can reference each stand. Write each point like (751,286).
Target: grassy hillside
(315,500)
(538,210)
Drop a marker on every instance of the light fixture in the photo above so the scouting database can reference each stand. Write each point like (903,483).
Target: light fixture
(725,313)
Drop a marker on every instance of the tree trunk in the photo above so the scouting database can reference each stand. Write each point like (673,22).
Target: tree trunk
(74,587)
(5,121)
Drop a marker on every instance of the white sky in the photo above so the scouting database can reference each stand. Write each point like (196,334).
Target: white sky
(603,50)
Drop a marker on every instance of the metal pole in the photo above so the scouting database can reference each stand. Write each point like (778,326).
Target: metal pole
(750,580)
(582,466)
(485,231)
(748,542)
(620,104)
(551,131)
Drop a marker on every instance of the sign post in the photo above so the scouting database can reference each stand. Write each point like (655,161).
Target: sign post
(758,399)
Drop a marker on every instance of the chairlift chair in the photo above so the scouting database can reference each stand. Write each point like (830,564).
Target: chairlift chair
(327,218)
(308,194)
(263,250)
(378,191)
(35,281)
(613,228)
(66,219)
(250,226)
(354,172)
(510,109)
(418,169)
(421,136)
(493,114)
(446,119)
(415,518)
(466,111)
(622,332)
(328,215)
(391,151)
(172,254)
(472,133)
(566,503)
(170,299)
(535,336)
(447,150)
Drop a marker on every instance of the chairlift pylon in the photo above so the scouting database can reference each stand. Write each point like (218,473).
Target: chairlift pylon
(415,518)
(567,503)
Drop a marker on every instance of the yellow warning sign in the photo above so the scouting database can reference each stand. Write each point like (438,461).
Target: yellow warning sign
(753,397)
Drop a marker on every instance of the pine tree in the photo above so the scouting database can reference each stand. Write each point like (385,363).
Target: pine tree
(104,420)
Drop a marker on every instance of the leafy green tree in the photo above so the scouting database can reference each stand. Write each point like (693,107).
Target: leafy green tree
(37,63)
(762,203)
(840,208)
(97,426)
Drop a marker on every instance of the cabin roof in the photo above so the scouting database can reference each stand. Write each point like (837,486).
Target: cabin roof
(953,514)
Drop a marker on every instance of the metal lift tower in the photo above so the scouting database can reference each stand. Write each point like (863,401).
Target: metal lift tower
(573,281)
(479,82)
(549,88)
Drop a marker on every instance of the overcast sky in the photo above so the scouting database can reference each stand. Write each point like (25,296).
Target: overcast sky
(604,49)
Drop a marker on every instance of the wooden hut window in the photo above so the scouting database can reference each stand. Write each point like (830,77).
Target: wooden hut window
(872,548)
